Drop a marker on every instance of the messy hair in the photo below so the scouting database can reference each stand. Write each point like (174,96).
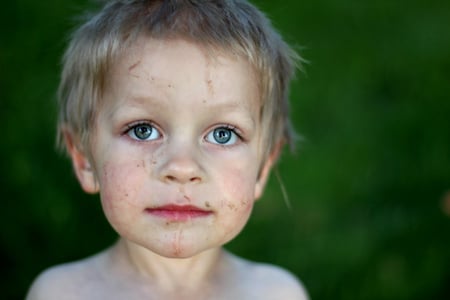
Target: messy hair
(234,26)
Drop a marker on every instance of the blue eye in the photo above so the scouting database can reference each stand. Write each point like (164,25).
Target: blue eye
(222,136)
(143,132)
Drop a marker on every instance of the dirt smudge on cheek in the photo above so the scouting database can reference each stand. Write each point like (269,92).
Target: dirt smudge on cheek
(232,206)
(246,204)
(151,164)
(141,164)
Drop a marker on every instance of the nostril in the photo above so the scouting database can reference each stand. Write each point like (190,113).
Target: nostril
(195,179)
(170,178)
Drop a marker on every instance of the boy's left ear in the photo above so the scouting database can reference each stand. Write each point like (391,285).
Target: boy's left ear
(265,171)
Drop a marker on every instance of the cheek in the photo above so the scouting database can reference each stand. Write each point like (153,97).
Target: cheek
(238,195)
(237,192)
(238,183)
(120,184)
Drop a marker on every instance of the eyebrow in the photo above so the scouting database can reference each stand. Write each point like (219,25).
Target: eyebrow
(236,107)
(133,102)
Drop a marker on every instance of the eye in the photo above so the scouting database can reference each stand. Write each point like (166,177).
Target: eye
(222,136)
(143,132)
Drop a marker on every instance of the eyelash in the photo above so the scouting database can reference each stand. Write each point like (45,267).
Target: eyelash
(232,140)
(232,128)
(133,126)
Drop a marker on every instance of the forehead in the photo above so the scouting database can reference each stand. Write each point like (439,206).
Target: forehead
(177,67)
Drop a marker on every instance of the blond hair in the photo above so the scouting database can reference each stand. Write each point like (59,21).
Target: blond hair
(227,25)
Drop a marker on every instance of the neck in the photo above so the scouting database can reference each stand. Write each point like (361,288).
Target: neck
(170,274)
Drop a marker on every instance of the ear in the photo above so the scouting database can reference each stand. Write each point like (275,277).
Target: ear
(81,165)
(265,171)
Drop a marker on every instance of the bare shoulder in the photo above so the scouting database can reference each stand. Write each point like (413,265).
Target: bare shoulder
(266,281)
(64,281)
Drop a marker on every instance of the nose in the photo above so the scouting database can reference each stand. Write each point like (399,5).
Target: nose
(181,166)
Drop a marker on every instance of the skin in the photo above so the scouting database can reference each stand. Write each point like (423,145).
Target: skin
(179,97)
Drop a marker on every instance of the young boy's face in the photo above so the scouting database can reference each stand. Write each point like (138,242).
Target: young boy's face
(176,148)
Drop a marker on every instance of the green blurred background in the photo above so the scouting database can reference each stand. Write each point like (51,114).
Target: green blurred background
(369,185)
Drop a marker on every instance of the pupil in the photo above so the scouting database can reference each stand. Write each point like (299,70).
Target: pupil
(222,135)
(143,132)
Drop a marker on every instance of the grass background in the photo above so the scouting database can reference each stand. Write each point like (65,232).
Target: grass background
(369,185)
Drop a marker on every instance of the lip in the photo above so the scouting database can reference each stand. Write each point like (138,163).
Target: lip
(178,213)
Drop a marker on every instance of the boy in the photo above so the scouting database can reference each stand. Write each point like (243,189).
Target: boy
(174,112)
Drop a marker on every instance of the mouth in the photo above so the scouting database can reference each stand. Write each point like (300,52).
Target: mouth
(178,213)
